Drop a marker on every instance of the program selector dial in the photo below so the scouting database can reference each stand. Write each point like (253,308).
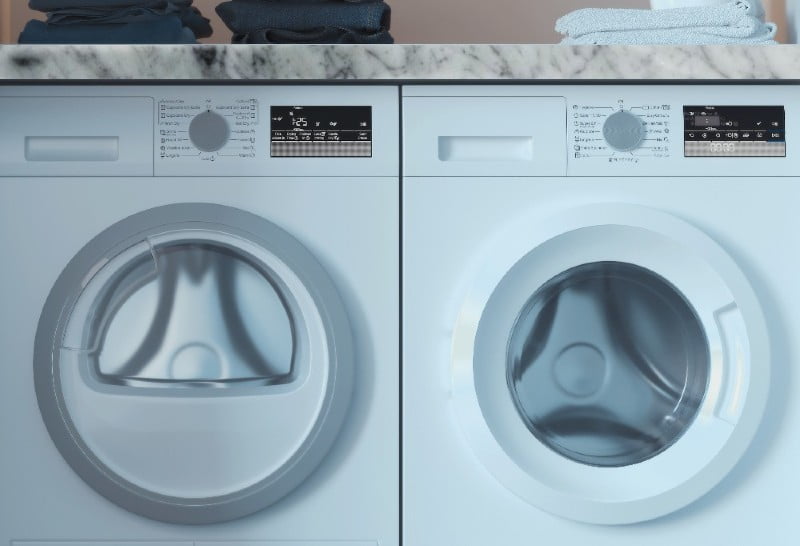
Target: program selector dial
(209,131)
(623,131)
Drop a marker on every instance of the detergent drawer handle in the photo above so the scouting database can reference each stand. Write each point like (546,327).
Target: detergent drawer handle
(486,148)
(72,148)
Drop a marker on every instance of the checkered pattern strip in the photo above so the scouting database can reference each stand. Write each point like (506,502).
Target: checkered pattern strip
(321,149)
(758,148)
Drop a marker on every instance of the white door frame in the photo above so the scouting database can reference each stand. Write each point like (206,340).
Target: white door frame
(712,283)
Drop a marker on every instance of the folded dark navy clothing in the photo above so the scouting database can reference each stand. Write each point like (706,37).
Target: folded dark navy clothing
(246,16)
(327,35)
(70,12)
(50,5)
(190,16)
(70,16)
(193,18)
(165,30)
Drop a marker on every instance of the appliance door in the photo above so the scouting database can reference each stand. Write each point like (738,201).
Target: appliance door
(611,364)
(193,363)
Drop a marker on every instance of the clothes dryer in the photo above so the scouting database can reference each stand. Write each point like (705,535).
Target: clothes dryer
(199,314)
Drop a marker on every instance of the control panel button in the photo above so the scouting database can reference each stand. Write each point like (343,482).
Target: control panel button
(623,131)
(209,131)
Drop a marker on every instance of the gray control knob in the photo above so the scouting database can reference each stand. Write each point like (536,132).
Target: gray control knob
(623,131)
(209,131)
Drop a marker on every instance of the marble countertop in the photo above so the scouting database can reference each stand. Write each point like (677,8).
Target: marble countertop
(397,62)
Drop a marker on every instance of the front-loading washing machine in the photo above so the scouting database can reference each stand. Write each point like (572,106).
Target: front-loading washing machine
(199,315)
(600,314)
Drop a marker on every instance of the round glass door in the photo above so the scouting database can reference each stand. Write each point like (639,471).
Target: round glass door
(612,366)
(608,364)
(193,363)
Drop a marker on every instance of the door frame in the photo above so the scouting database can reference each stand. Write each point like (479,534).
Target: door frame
(536,250)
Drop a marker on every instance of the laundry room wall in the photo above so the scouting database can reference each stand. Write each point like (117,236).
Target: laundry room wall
(424,21)
(487,21)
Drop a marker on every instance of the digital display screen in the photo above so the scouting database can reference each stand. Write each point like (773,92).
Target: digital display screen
(321,131)
(706,121)
(734,131)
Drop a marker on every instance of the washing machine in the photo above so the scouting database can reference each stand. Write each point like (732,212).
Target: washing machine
(600,314)
(199,315)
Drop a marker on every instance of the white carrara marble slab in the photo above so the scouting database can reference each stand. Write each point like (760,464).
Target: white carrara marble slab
(397,62)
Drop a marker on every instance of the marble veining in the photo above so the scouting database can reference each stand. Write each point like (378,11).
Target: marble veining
(398,62)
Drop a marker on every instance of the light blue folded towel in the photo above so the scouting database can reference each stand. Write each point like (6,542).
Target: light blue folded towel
(737,21)
(669,37)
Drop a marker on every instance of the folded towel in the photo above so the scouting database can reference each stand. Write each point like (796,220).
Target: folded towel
(164,30)
(325,35)
(738,18)
(669,37)
(246,16)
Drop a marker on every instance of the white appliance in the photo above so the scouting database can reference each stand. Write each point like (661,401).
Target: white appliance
(200,315)
(600,314)
(792,21)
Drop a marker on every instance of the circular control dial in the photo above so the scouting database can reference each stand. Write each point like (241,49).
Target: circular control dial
(623,131)
(209,131)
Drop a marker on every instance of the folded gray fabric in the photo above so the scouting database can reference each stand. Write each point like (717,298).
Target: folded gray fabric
(738,18)
(246,16)
(669,37)
(164,30)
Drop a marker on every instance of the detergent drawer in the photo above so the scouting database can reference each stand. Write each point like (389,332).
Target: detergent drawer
(484,136)
(76,136)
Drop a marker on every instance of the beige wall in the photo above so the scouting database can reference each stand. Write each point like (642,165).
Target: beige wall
(435,21)
(5,20)
(19,14)
(486,21)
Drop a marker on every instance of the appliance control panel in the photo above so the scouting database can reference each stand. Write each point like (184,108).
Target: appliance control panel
(211,129)
(622,131)
(276,130)
(207,129)
(633,129)
(679,129)
(734,131)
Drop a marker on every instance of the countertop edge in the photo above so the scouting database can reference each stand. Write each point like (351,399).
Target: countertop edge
(396,63)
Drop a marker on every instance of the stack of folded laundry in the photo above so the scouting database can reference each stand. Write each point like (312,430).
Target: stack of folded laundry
(735,22)
(116,22)
(307,21)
